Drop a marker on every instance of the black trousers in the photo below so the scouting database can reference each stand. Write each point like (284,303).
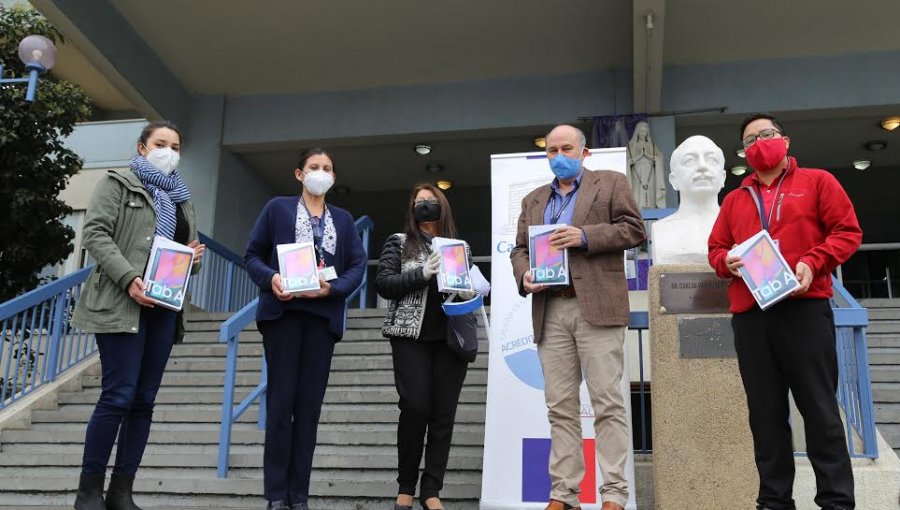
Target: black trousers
(791,346)
(298,350)
(429,377)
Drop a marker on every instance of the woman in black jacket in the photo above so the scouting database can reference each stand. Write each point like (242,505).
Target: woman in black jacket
(428,374)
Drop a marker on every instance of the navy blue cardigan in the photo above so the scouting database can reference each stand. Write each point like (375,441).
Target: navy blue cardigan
(276,225)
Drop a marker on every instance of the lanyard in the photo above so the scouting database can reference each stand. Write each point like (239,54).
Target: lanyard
(554,216)
(755,192)
(318,234)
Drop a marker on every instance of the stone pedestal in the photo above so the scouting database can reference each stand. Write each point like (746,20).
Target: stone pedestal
(702,448)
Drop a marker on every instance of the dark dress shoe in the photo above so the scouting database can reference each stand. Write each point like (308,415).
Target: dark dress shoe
(398,506)
(299,506)
(277,505)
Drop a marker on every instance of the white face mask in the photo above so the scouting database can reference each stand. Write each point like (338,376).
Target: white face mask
(164,159)
(318,182)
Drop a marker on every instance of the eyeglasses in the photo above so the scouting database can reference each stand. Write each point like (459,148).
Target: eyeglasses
(425,201)
(765,134)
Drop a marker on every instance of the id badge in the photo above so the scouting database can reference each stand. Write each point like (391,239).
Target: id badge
(328,273)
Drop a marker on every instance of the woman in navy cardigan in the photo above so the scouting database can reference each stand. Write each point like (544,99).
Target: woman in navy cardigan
(299,331)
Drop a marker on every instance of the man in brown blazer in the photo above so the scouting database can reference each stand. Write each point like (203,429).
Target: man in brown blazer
(581,327)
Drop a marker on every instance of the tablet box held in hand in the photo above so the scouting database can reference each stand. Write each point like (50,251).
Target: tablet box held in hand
(549,265)
(168,272)
(298,268)
(766,273)
(454,272)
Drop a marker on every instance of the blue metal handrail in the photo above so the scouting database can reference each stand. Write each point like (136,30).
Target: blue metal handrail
(223,284)
(39,343)
(230,332)
(854,380)
(364,226)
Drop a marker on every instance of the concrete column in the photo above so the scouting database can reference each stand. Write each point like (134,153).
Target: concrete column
(201,156)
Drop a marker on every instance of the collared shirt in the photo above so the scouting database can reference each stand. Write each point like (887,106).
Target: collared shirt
(563,206)
(769,191)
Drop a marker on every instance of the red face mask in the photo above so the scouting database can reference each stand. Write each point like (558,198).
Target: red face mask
(765,155)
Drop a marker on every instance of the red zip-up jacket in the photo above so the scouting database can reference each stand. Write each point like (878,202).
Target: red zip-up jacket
(813,221)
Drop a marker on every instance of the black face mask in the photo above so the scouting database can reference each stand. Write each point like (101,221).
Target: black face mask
(427,212)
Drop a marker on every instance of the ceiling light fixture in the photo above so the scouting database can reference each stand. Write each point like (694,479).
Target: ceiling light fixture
(739,170)
(862,164)
(890,123)
(423,150)
(445,185)
(741,153)
(540,142)
(875,145)
(434,168)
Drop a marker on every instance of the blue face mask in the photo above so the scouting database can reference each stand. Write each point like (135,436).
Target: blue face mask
(564,167)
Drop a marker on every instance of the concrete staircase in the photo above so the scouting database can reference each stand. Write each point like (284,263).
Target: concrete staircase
(884,359)
(355,461)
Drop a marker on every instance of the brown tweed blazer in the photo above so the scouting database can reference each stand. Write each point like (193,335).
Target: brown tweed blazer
(606,211)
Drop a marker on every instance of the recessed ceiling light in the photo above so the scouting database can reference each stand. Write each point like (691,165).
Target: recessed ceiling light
(434,168)
(740,153)
(739,170)
(540,142)
(875,145)
(890,123)
(444,185)
(423,149)
(862,164)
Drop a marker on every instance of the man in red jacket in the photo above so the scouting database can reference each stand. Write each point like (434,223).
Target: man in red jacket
(790,346)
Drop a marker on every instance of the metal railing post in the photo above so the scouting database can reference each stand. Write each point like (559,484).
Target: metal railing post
(229,281)
(227,408)
(890,289)
(4,394)
(56,344)
(867,408)
(642,391)
(365,283)
(264,382)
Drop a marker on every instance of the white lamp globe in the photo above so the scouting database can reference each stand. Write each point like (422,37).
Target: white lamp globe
(37,49)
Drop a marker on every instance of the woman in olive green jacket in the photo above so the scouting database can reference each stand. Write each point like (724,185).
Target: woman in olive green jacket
(135,338)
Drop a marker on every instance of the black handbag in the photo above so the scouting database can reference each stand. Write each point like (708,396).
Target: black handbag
(462,335)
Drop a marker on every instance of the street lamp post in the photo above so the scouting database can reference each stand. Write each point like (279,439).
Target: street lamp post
(38,54)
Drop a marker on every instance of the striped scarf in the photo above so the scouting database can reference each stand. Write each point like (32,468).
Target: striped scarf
(167,190)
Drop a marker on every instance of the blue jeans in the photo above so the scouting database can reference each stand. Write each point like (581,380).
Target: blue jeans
(133,366)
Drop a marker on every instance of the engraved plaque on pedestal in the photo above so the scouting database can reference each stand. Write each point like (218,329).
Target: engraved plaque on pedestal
(706,337)
(693,293)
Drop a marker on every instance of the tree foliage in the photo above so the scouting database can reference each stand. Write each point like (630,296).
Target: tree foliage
(34,164)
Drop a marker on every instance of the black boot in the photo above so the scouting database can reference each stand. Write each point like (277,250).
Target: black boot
(118,496)
(90,492)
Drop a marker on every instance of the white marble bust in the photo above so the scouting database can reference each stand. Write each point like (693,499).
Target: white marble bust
(698,174)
